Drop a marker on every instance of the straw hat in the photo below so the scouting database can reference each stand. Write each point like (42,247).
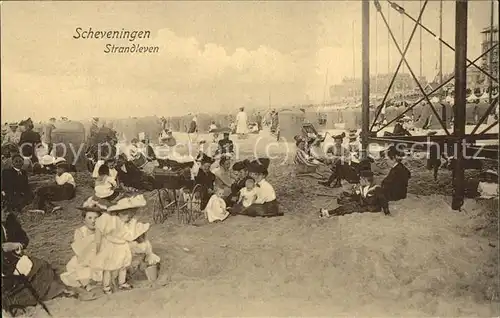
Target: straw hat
(128,203)
(260,165)
(353,134)
(13,125)
(140,229)
(46,160)
(341,136)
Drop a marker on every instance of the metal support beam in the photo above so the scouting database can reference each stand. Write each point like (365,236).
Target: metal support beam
(473,63)
(365,115)
(461,7)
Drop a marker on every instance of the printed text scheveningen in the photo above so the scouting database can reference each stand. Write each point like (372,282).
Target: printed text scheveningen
(130,35)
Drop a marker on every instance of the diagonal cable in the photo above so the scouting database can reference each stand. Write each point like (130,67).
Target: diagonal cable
(395,5)
(379,9)
(438,117)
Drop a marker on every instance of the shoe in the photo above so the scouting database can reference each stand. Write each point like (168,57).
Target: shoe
(337,185)
(324,183)
(125,286)
(56,208)
(107,290)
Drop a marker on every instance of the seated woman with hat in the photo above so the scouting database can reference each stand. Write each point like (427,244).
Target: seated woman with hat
(62,189)
(338,156)
(266,204)
(369,197)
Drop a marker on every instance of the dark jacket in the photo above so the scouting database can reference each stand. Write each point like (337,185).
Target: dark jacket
(29,141)
(15,234)
(226,146)
(205,179)
(400,131)
(15,183)
(395,184)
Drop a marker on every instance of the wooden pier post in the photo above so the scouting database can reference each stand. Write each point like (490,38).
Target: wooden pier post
(460,101)
(365,115)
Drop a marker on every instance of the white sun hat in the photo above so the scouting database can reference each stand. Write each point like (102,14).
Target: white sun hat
(46,160)
(129,203)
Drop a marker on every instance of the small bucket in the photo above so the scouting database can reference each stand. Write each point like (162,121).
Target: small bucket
(152,272)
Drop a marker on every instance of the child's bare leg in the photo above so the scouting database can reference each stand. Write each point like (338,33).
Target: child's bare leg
(106,281)
(122,279)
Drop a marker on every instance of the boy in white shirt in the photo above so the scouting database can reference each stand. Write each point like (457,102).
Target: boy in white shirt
(62,189)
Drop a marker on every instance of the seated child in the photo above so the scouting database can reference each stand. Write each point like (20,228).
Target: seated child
(142,254)
(105,185)
(368,198)
(488,185)
(216,207)
(248,195)
(78,271)
(62,189)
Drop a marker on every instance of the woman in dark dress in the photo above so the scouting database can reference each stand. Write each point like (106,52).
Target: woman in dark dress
(395,184)
(17,266)
(205,179)
(130,176)
(266,204)
(368,198)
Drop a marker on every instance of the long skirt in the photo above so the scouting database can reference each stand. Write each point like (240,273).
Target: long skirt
(47,194)
(43,279)
(268,209)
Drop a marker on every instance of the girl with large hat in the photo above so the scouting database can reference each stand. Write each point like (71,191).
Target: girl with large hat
(115,229)
(266,204)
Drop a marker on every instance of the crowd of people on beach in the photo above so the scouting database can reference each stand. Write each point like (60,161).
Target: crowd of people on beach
(112,241)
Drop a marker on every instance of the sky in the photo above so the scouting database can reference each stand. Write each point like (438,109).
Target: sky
(213,56)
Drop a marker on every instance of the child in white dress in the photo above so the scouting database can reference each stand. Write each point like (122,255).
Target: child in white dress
(248,194)
(216,207)
(115,229)
(78,271)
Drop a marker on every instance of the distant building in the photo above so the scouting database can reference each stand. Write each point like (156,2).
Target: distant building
(378,85)
(490,38)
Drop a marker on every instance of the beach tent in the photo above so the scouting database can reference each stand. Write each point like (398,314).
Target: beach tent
(439,108)
(470,113)
(69,140)
(352,118)
(312,117)
(291,122)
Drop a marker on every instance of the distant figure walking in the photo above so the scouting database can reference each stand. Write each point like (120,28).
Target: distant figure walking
(193,128)
(241,123)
